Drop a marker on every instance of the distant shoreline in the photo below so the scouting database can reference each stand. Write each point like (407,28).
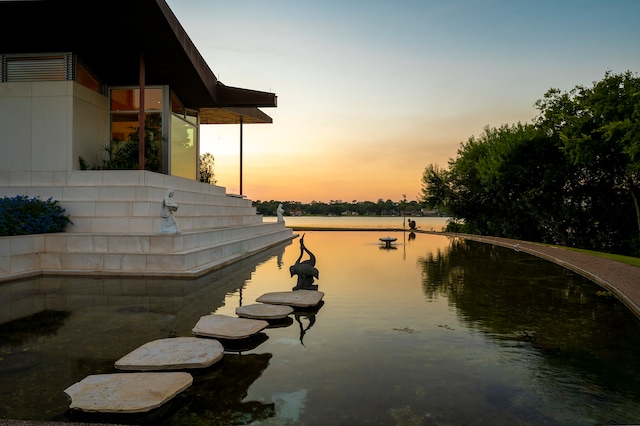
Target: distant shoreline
(322,228)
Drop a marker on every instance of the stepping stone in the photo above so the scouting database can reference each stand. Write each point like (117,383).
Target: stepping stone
(126,392)
(227,327)
(264,311)
(297,298)
(173,354)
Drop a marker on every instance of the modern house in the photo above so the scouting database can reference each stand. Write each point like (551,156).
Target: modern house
(81,85)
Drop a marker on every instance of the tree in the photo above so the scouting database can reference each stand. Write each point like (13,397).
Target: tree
(435,187)
(207,174)
(495,184)
(599,130)
(572,177)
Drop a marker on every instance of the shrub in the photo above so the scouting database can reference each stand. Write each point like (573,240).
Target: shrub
(21,215)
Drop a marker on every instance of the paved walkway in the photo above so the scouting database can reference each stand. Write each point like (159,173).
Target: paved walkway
(619,278)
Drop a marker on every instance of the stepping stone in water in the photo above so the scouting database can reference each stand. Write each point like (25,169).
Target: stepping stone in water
(264,311)
(297,298)
(126,392)
(173,354)
(226,327)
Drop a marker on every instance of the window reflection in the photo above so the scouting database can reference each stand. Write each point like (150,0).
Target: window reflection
(181,143)
(183,148)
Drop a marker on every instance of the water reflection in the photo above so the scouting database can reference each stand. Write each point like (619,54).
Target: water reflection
(439,331)
(307,315)
(244,345)
(19,331)
(216,397)
(523,302)
(89,323)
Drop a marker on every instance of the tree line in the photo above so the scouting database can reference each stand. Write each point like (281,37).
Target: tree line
(570,177)
(339,208)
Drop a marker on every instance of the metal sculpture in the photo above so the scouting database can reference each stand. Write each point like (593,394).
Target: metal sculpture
(304,269)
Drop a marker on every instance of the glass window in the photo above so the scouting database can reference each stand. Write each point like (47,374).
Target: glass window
(184,148)
(123,147)
(176,105)
(177,151)
(192,117)
(129,99)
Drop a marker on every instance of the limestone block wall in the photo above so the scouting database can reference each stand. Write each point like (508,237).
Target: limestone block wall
(184,255)
(121,201)
(116,224)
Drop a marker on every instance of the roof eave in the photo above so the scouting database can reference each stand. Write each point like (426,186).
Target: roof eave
(228,96)
(233,115)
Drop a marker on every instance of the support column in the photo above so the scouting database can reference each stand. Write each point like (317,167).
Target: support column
(241,156)
(141,115)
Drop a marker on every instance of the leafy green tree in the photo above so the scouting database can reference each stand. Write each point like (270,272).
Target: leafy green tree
(571,177)
(436,188)
(495,184)
(207,163)
(598,129)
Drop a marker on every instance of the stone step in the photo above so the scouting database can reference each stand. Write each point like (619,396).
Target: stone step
(116,226)
(185,255)
(152,209)
(153,243)
(145,224)
(144,194)
(103,178)
(129,201)
(186,262)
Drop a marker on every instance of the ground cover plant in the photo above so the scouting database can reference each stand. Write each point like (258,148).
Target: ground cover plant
(21,215)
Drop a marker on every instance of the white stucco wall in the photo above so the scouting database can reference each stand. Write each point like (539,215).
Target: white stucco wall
(45,126)
(90,126)
(50,126)
(15,126)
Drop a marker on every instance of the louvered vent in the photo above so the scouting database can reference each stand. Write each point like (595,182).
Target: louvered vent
(36,68)
(48,67)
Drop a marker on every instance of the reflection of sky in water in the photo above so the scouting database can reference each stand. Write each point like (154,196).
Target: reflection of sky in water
(381,344)
(428,332)
(426,223)
(352,265)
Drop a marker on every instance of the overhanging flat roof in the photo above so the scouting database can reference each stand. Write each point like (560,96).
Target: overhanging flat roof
(109,36)
(233,116)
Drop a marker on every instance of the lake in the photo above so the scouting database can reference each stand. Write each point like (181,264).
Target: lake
(433,330)
(423,223)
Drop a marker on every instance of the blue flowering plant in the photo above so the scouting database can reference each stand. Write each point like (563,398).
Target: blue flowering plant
(21,215)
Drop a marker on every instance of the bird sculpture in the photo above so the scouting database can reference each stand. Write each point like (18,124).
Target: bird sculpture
(305,269)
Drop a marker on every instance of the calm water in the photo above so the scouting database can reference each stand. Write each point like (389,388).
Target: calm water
(362,222)
(433,331)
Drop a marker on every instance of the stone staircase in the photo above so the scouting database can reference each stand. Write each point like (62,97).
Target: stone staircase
(116,224)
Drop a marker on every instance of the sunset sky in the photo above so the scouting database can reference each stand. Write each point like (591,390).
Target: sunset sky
(371,92)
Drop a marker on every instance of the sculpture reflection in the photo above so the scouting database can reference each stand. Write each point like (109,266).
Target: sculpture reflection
(310,315)
(304,269)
